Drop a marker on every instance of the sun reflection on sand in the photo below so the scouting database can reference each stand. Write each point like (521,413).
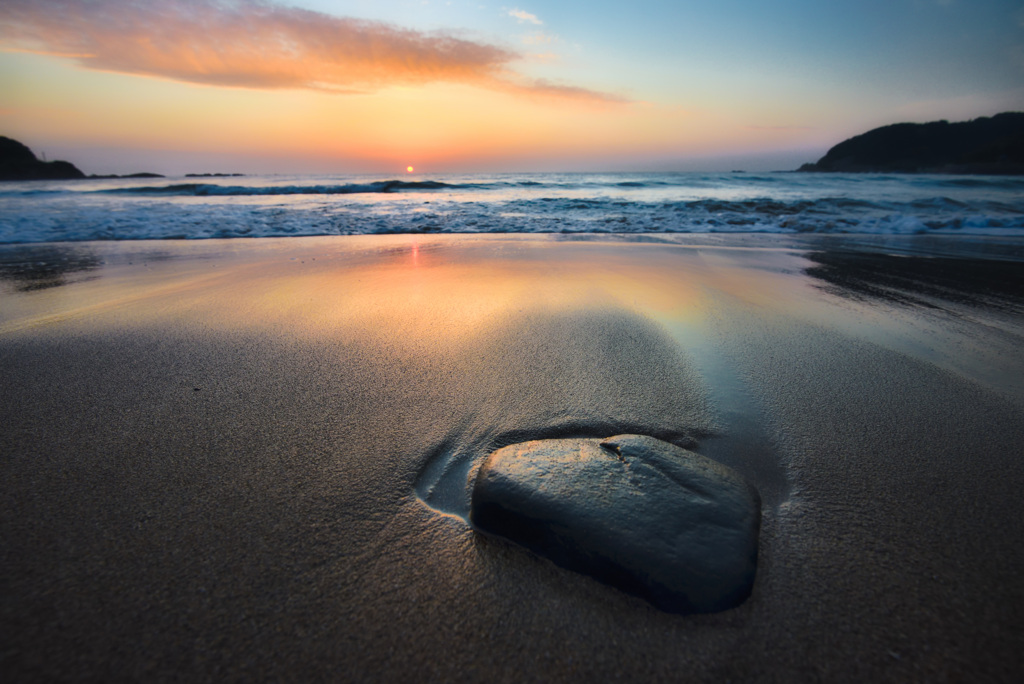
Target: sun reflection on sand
(415,290)
(425,290)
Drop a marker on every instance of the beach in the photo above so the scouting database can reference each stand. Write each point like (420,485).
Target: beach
(246,459)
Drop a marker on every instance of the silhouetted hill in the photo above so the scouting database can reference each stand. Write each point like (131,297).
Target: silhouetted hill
(18,163)
(985,145)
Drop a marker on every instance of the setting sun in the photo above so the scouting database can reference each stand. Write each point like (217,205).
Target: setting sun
(409,169)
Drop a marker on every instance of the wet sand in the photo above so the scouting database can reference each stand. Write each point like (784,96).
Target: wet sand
(245,460)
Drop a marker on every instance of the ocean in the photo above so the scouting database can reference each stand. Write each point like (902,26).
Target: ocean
(277,206)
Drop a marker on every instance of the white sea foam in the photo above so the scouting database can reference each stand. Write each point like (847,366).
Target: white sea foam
(272,206)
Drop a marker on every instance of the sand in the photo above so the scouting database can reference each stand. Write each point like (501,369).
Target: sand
(213,455)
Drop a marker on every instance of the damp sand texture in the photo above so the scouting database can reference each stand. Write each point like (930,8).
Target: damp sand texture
(248,460)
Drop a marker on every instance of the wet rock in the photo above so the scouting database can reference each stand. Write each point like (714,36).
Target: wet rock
(643,515)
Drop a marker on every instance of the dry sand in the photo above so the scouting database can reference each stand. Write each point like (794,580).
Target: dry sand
(214,455)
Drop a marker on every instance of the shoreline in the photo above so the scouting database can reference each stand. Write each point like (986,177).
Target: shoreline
(211,452)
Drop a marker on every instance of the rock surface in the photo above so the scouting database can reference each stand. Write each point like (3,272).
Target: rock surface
(985,145)
(643,515)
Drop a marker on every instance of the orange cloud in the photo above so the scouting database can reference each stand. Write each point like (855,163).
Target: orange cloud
(258,44)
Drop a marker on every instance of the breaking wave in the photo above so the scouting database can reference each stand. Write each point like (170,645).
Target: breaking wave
(271,206)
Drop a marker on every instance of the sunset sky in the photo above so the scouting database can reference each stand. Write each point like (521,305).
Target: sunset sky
(372,86)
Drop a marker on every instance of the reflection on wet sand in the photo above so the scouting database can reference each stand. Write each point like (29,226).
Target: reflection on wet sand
(920,281)
(538,338)
(40,267)
(959,313)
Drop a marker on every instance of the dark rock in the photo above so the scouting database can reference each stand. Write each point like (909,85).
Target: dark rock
(142,174)
(13,152)
(17,162)
(643,515)
(988,145)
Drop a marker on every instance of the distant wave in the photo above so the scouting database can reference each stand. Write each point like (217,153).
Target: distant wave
(524,203)
(1008,182)
(388,186)
(555,185)
(211,189)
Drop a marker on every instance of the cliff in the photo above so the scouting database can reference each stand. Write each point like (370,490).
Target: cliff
(17,162)
(986,145)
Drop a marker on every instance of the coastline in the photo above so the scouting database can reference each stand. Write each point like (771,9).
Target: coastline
(211,452)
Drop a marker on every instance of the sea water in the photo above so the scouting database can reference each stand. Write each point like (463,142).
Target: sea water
(276,206)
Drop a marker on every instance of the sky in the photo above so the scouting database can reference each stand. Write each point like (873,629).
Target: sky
(374,86)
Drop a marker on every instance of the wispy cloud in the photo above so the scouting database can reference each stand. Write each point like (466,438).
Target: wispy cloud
(258,44)
(539,38)
(546,57)
(525,17)
(544,87)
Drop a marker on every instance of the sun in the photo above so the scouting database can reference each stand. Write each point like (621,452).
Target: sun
(409,169)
